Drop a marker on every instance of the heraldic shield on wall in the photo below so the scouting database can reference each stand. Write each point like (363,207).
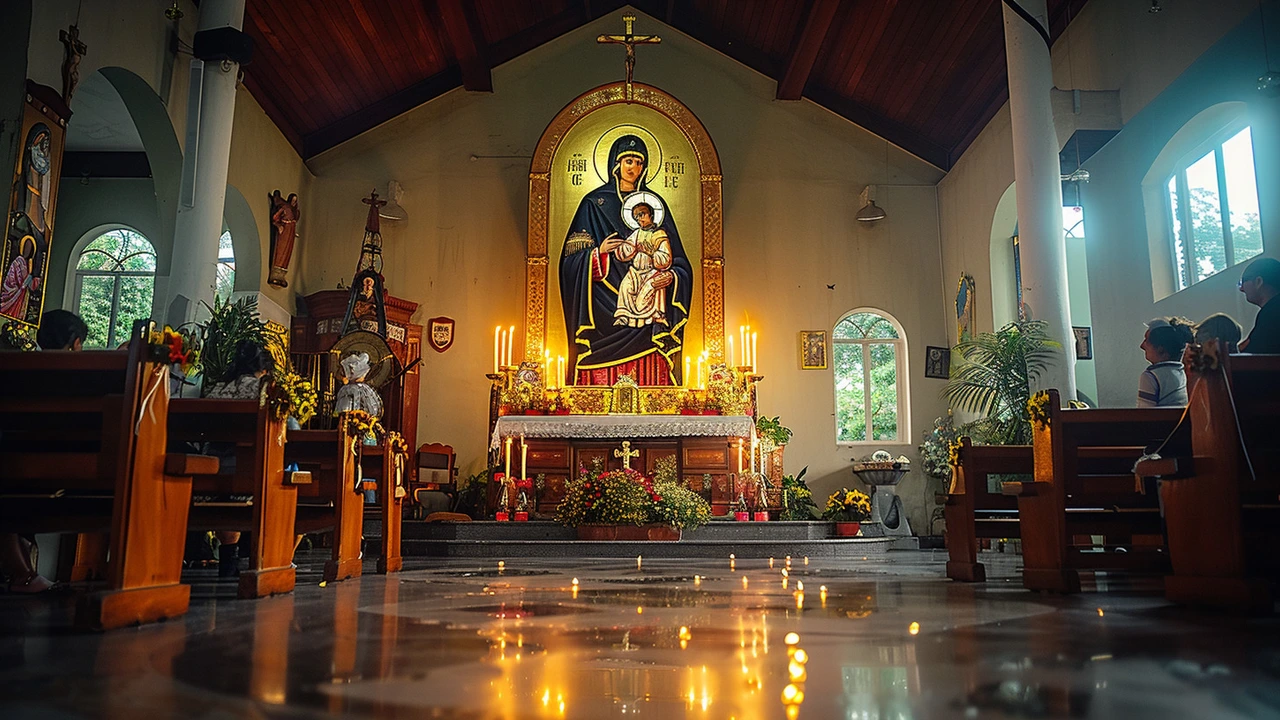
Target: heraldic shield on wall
(440,333)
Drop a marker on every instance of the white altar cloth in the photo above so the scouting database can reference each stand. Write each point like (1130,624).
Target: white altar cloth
(619,427)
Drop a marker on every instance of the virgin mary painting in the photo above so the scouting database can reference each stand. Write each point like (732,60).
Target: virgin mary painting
(623,240)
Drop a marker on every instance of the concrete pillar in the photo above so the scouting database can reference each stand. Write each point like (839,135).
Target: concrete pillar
(1038,176)
(200,207)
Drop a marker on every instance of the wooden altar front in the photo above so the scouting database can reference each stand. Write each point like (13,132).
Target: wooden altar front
(706,450)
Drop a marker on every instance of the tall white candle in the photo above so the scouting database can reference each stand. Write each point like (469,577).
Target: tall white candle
(688,381)
(508,466)
(559,370)
(511,340)
(497,348)
(754,338)
(546,370)
(700,384)
(742,337)
(524,459)
(731,351)
(739,456)
(753,454)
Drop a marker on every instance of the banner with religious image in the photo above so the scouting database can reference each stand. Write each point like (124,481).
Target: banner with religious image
(32,205)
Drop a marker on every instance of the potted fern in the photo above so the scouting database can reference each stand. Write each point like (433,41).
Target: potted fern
(993,379)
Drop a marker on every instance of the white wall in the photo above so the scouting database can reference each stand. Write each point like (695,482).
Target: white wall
(792,174)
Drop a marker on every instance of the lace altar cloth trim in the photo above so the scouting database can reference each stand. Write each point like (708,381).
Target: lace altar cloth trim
(622,427)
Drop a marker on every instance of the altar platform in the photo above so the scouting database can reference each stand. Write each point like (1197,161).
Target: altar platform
(543,539)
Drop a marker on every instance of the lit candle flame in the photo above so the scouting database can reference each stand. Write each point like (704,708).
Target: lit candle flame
(914,628)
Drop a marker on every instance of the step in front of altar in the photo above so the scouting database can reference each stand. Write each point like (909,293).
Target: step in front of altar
(542,530)
(716,540)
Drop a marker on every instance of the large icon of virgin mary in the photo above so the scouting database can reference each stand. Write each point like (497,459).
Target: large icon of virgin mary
(625,281)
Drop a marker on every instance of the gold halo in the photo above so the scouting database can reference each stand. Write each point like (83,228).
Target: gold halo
(650,199)
(606,142)
(382,362)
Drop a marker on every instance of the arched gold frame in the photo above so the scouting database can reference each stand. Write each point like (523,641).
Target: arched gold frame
(536,260)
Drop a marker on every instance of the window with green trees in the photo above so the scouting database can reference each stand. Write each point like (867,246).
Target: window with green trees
(1213,208)
(115,281)
(870,377)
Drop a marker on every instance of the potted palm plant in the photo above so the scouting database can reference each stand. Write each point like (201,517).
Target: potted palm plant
(993,379)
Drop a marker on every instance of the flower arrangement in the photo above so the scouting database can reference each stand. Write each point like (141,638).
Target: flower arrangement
(361,424)
(625,497)
(291,396)
(18,337)
(936,451)
(797,498)
(174,347)
(559,402)
(727,391)
(398,444)
(847,505)
(1038,410)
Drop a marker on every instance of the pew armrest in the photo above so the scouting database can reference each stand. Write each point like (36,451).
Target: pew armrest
(1166,468)
(186,465)
(1024,489)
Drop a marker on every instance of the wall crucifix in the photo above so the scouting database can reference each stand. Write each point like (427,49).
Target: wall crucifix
(629,40)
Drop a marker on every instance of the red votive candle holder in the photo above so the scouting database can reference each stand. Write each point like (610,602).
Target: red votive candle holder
(501,516)
(760,517)
(522,516)
(741,515)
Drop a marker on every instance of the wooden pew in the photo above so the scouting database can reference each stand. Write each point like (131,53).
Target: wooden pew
(82,447)
(380,461)
(972,511)
(258,438)
(332,501)
(1084,486)
(1222,523)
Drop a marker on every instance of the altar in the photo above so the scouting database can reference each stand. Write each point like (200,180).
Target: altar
(708,449)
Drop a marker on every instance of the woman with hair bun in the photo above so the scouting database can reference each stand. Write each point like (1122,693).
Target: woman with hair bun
(1164,382)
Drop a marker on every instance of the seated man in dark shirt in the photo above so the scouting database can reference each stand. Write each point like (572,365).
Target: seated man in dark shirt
(1260,284)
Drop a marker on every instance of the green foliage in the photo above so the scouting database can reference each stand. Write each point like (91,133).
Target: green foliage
(935,451)
(797,498)
(772,430)
(471,495)
(993,378)
(101,286)
(231,324)
(625,497)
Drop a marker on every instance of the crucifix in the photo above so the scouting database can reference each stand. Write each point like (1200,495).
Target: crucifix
(626,453)
(75,49)
(629,40)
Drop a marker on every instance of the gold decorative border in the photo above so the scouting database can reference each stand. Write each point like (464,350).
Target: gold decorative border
(712,211)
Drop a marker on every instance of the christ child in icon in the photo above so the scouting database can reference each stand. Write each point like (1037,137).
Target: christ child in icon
(641,300)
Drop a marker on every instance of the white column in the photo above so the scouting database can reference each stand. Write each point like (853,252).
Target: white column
(199,223)
(1038,176)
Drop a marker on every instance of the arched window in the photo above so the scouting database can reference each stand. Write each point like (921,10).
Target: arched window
(115,281)
(871,379)
(225,281)
(1213,207)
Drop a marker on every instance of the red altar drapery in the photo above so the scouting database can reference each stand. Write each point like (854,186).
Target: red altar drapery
(652,369)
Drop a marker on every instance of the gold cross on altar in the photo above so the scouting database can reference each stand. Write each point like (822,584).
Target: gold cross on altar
(626,453)
(629,40)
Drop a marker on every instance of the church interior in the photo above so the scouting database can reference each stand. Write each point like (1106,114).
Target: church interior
(876,359)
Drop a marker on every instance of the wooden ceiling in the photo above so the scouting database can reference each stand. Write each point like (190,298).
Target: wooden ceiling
(926,75)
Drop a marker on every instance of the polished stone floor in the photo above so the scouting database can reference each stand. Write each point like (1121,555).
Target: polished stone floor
(888,639)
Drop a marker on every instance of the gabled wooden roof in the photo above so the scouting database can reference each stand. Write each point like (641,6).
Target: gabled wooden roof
(926,75)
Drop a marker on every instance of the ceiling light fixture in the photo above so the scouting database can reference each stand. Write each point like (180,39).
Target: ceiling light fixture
(393,210)
(870,212)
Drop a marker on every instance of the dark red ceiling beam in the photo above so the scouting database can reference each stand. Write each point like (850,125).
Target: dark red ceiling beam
(462,28)
(805,52)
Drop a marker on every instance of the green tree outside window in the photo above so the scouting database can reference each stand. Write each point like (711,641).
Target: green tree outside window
(115,284)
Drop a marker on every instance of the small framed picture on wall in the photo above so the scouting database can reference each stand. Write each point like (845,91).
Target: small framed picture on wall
(937,362)
(1084,342)
(813,349)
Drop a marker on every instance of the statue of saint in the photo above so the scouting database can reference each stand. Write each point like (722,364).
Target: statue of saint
(284,230)
(356,393)
(625,281)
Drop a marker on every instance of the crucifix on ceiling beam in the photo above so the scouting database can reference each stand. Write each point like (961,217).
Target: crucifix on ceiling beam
(629,40)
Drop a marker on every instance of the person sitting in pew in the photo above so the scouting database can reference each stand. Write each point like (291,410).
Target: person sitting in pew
(59,330)
(251,365)
(1260,283)
(1164,382)
(1222,328)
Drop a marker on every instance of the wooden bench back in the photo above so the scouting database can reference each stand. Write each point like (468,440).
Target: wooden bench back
(1254,382)
(1088,454)
(978,462)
